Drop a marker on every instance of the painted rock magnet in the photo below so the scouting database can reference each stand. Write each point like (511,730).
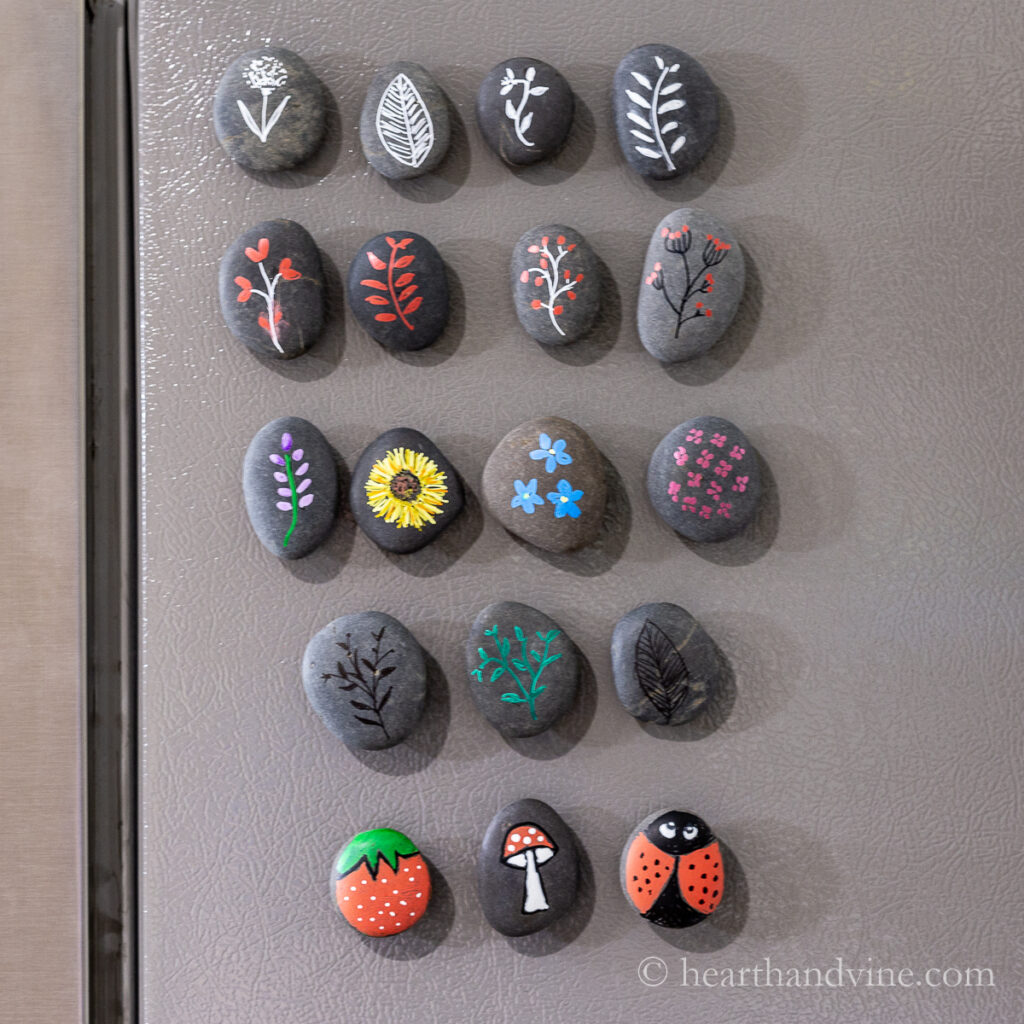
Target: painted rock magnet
(269,111)
(545,483)
(704,479)
(666,110)
(380,882)
(691,286)
(665,666)
(524,109)
(365,676)
(523,669)
(272,290)
(398,289)
(290,481)
(404,126)
(672,871)
(556,284)
(528,871)
(404,492)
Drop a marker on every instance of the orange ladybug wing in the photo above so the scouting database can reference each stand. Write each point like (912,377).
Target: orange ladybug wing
(702,878)
(648,871)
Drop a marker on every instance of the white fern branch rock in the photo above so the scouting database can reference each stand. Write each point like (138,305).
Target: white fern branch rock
(404,127)
(666,111)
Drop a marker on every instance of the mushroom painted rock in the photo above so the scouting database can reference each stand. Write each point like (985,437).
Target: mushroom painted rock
(672,871)
(380,882)
(528,872)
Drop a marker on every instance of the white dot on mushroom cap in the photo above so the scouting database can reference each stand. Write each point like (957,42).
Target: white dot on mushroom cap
(527,839)
(533,831)
(540,839)
(516,837)
(511,846)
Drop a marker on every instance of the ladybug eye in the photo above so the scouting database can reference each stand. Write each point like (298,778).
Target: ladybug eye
(690,832)
(668,830)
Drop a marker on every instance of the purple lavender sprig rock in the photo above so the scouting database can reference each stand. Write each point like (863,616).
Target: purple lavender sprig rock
(298,494)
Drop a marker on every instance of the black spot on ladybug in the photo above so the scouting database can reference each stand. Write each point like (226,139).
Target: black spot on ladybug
(657,874)
(715,893)
(715,879)
(693,867)
(703,876)
(705,888)
(691,888)
(635,878)
(701,902)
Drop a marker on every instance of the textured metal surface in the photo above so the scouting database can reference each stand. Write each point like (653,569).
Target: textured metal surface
(866,771)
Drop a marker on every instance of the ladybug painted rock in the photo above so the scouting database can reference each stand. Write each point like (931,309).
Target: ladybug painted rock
(381,883)
(672,870)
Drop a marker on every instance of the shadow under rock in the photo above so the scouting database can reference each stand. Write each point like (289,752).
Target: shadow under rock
(449,176)
(445,346)
(441,554)
(424,743)
(755,539)
(570,158)
(603,334)
(570,728)
(424,937)
(568,928)
(597,558)
(726,352)
(321,163)
(324,355)
(726,924)
(711,717)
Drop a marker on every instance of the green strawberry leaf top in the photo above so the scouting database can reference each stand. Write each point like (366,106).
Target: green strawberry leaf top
(375,845)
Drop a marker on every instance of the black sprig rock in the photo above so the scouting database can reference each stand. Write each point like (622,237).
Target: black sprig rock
(524,108)
(666,667)
(691,287)
(545,483)
(556,284)
(404,493)
(528,871)
(404,127)
(272,289)
(290,481)
(398,289)
(704,479)
(666,110)
(523,669)
(365,676)
(672,869)
(269,111)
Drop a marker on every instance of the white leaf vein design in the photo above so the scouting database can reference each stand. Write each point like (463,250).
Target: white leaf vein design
(404,125)
(655,129)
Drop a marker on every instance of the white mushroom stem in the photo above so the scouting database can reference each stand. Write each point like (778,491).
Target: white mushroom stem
(535,898)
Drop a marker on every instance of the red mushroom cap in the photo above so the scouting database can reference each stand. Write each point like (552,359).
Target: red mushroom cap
(521,838)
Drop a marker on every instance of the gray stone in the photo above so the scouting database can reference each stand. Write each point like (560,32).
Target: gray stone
(269,111)
(290,480)
(666,110)
(665,666)
(528,871)
(691,286)
(545,483)
(672,870)
(272,289)
(398,289)
(523,668)
(366,678)
(704,479)
(524,109)
(556,284)
(404,127)
(404,492)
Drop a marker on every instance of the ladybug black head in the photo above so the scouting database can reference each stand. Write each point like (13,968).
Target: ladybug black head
(678,832)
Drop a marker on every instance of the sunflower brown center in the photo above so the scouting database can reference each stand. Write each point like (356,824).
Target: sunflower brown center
(405,486)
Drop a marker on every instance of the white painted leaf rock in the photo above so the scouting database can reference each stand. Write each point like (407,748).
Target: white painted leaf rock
(524,109)
(528,871)
(290,481)
(404,127)
(666,111)
(269,112)
(556,284)
(691,287)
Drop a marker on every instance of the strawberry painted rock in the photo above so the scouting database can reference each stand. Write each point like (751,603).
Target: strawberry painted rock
(704,479)
(398,289)
(380,882)
(672,870)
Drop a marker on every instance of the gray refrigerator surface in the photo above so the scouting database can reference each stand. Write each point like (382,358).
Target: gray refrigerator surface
(864,769)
